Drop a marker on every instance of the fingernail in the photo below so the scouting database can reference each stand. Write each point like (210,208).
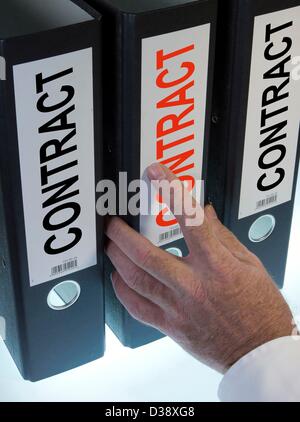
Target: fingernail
(156,172)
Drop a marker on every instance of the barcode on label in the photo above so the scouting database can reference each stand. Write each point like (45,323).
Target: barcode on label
(267,201)
(65,266)
(170,234)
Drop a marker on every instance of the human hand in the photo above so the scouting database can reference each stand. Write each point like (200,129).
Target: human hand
(218,303)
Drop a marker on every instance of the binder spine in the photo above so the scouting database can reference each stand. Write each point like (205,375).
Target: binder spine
(243,45)
(13,315)
(121,133)
(129,31)
(45,338)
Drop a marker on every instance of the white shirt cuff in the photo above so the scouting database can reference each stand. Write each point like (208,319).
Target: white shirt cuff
(270,373)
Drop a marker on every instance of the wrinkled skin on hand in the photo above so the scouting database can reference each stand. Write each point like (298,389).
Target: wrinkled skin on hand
(218,303)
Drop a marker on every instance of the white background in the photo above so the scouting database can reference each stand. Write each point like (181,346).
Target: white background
(157,372)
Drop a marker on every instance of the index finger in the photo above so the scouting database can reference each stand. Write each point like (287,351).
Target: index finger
(182,205)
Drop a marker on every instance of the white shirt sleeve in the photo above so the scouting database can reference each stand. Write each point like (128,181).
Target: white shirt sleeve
(270,373)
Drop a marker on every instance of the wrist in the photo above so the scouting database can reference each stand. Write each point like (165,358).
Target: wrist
(284,328)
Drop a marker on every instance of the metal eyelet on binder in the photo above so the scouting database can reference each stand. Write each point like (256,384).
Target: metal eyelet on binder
(175,252)
(262,228)
(63,295)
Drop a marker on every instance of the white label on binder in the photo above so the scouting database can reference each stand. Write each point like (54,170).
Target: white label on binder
(55,120)
(273,114)
(173,112)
